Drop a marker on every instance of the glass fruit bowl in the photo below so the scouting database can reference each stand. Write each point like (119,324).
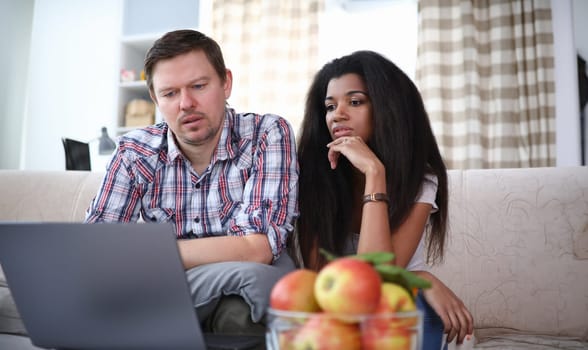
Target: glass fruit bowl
(302,330)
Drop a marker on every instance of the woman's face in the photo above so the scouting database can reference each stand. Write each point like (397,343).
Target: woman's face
(349,108)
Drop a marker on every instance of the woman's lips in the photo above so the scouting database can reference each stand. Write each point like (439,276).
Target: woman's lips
(341,131)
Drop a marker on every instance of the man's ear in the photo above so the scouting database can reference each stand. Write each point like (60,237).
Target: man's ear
(228,85)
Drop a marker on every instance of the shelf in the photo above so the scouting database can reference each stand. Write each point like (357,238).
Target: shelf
(141,42)
(143,22)
(136,85)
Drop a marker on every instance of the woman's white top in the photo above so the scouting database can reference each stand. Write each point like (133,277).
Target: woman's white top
(427,194)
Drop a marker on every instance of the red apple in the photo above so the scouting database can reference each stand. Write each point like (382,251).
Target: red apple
(286,339)
(385,339)
(295,292)
(323,331)
(348,285)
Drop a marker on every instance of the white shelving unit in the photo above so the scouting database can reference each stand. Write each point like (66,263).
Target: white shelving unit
(144,21)
(132,51)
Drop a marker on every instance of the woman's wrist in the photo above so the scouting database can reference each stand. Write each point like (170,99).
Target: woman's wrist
(375,179)
(426,275)
(376,197)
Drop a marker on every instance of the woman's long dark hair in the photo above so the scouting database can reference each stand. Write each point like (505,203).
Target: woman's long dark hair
(403,141)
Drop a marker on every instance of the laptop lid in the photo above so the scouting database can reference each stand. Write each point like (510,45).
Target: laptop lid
(101,286)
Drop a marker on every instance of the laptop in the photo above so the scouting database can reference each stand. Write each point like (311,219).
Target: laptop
(104,286)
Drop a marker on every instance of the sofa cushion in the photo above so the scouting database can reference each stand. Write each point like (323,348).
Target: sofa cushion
(581,243)
(16,342)
(10,321)
(510,254)
(505,339)
(47,195)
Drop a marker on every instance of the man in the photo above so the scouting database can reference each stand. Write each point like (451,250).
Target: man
(226,181)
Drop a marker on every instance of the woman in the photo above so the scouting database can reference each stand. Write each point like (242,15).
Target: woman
(372,179)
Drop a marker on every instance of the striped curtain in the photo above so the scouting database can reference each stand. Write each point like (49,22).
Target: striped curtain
(272,49)
(486,72)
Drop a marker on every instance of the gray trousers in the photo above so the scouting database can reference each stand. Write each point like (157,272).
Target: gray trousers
(232,315)
(233,297)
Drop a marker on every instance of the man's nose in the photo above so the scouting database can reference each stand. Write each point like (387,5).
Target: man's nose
(187,101)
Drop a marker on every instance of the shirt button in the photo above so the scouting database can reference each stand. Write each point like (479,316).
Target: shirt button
(197,220)
(197,186)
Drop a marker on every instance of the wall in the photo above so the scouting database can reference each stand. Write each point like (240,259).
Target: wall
(72,75)
(566,85)
(73,69)
(344,24)
(16,17)
(580,10)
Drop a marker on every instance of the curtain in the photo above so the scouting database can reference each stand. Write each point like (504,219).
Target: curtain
(485,69)
(272,49)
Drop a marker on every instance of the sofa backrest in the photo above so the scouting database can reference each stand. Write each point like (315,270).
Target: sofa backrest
(518,248)
(31,195)
(517,253)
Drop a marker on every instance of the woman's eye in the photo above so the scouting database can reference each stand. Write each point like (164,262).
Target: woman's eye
(355,102)
(330,108)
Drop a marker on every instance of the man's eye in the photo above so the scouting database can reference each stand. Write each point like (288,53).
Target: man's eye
(169,94)
(198,86)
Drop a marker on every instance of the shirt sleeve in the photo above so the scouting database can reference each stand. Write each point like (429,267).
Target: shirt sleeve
(117,199)
(271,192)
(428,192)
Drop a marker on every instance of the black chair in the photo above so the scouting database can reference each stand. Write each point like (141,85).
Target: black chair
(77,154)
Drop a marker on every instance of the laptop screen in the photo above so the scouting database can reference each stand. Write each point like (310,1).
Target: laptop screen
(99,286)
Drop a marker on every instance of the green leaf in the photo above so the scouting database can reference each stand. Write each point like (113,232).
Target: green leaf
(403,277)
(375,258)
(330,256)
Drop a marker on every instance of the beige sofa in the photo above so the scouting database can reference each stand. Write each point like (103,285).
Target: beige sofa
(517,253)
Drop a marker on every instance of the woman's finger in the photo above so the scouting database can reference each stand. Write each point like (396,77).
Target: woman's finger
(335,150)
(463,328)
(453,331)
(333,157)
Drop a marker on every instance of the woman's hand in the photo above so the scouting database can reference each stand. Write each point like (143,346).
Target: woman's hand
(356,151)
(457,320)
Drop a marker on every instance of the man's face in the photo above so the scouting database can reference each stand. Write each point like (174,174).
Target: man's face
(191,96)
